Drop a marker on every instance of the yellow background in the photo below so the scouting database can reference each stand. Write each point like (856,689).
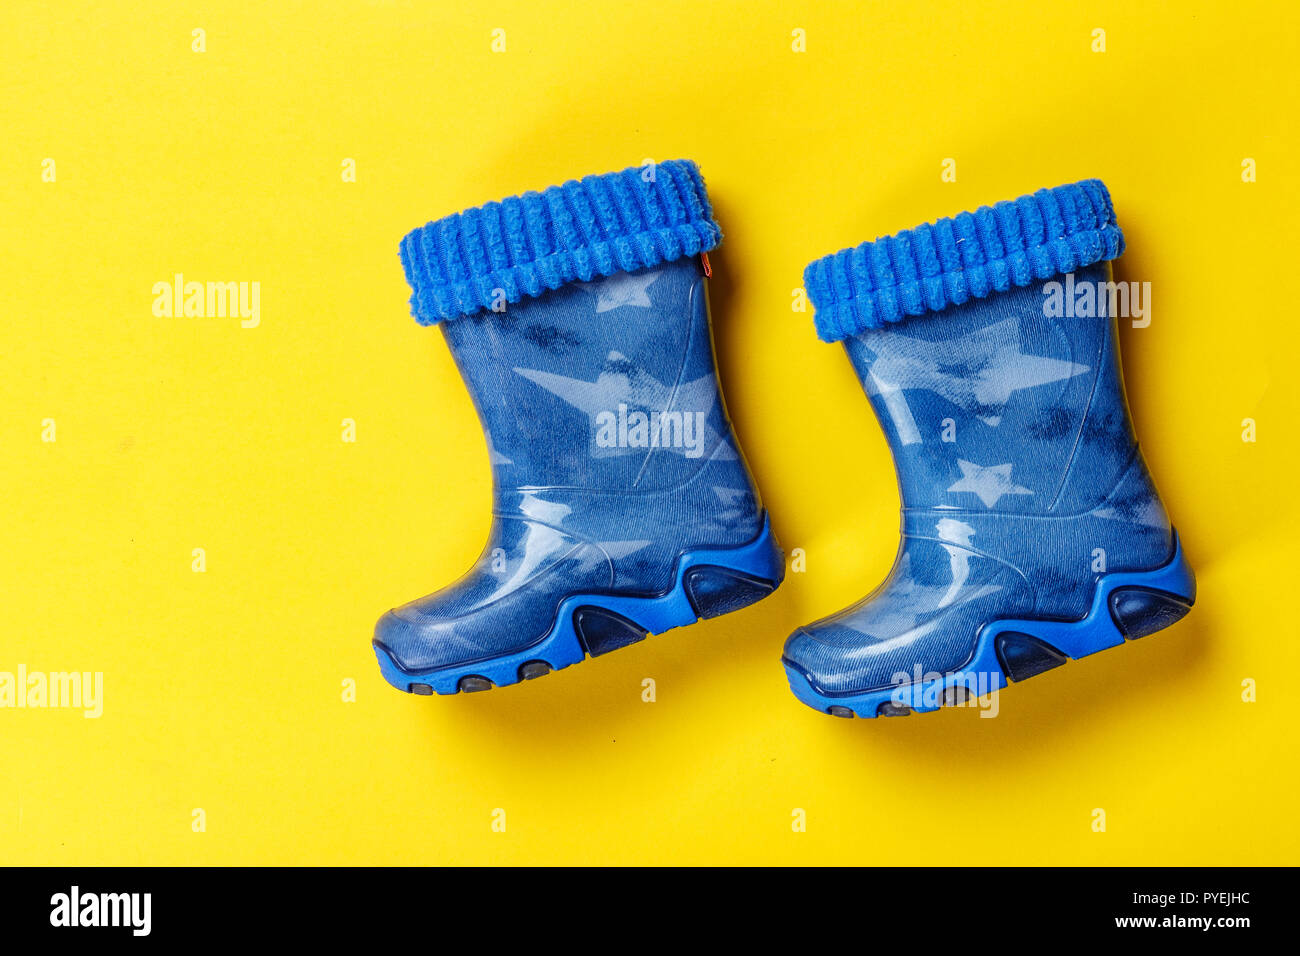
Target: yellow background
(223,690)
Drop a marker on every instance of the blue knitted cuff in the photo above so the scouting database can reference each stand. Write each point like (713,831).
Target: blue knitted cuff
(931,267)
(500,252)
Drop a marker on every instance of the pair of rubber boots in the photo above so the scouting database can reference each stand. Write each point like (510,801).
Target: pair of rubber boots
(986,343)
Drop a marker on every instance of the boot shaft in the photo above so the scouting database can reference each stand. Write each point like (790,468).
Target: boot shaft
(579,320)
(1005,411)
(608,386)
(1001,404)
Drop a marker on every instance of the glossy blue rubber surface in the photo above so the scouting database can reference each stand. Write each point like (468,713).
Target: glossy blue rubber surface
(983,673)
(614,467)
(1023,491)
(561,645)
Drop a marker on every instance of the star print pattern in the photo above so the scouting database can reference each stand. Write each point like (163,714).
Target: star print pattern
(623,289)
(1147,511)
(988,484)
(978,372)
(624,383)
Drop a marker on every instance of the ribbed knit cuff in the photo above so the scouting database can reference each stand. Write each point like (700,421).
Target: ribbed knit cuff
(972,255)
(502,251)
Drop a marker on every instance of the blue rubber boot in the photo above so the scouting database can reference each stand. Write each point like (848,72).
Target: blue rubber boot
(579,320)
(1031,530)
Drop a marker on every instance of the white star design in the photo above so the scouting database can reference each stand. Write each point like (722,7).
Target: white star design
(628,384)
(1149,513)
(998,370)
(736,504)
(622,288)
(988,483)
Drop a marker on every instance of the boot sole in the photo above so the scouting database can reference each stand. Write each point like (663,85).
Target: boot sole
(709,582)
(1125,606)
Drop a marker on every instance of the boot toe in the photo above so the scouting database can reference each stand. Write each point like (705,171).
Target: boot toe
(838,659)
(827,667)
(424,643)
(401,640)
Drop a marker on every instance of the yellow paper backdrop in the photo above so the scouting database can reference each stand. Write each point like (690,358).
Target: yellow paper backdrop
(224,691)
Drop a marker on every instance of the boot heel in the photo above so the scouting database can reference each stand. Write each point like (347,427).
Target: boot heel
(719,581)
(715,591)
(1139,611)
(1126,605)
